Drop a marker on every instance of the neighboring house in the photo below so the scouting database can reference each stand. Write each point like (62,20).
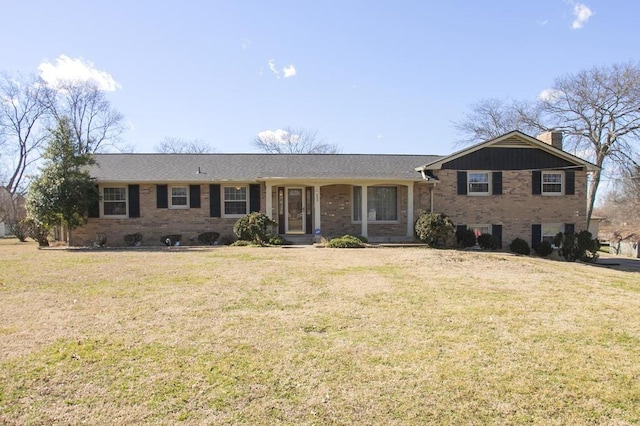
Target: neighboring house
(511,186)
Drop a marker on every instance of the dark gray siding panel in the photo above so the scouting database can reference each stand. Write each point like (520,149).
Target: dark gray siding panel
(507,159)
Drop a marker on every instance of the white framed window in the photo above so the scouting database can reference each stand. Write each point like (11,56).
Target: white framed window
(114,201)
(552,183)
(550,230)
(382,204)
(179,198)
(236,202)
(478,183)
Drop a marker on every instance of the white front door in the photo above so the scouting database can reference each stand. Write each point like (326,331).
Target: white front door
(295,211)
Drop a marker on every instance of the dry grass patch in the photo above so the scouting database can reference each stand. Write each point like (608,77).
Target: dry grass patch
(266,335)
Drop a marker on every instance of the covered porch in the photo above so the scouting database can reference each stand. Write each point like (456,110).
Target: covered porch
(332,208)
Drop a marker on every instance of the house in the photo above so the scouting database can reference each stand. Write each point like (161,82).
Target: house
(511,186)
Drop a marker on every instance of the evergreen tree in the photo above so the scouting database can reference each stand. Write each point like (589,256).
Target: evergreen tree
(63,192)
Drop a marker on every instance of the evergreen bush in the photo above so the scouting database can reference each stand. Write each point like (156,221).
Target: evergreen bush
(465,238)
(434,229)
(255,227)
(520,246)
(208,238)
(133,239)
(544,249)
(488,242)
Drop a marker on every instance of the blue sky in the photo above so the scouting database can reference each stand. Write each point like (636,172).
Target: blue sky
(371,77)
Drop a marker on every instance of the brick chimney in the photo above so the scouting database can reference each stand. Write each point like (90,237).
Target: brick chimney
(552,137)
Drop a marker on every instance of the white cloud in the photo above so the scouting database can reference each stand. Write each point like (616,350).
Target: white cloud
(549,94)
(581,13)
(246,44)
(288,71)
(543,23)
(277,136)
(67,69)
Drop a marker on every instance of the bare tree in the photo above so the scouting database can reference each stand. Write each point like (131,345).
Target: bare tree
(95,124)
(182,146)
(598,111)
(22,113)
(293,141)
(491,118)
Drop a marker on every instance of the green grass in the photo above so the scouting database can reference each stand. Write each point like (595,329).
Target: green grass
(241,335)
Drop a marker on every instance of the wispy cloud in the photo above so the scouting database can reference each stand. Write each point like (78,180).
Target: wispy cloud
(581,14)
(288,71)
(542,23)
(66,69)
(246,43)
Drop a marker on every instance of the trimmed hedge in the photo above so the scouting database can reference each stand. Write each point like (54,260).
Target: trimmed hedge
(346,241)
(133,239)
(488,242)
(544,249)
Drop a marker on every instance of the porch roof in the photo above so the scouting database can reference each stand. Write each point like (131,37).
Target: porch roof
(255,167)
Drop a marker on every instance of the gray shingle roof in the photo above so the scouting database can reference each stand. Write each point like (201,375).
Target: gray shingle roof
(252,167)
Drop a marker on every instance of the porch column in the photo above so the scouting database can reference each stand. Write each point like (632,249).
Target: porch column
(364,215)
(316,208)
(268,205)
(410,209)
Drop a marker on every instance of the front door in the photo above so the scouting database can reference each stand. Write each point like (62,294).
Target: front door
(295,208)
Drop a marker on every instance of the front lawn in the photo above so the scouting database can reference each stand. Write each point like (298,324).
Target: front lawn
(244,335)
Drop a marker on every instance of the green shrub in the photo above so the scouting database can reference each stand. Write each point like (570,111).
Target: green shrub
(255,227)
(579,246)
(278,240)
(544,249)
(465,237)
(227,239)
(520,246)
(488,242)
(346,241)
(434,228)
(171,239)
(243,243)
(133,239)
(208,238)
(362,238)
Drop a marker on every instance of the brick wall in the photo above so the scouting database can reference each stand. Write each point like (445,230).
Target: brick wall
(154,223)
(516,209)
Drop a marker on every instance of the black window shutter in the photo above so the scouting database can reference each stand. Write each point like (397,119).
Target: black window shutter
(462,183)
(214,201)
(254,198)
(536,182)
(134,200)
(536,235)
(162,196)
(94,207)
(194,196)
(569,228)
(497,183)
(570,182)
(496,231)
